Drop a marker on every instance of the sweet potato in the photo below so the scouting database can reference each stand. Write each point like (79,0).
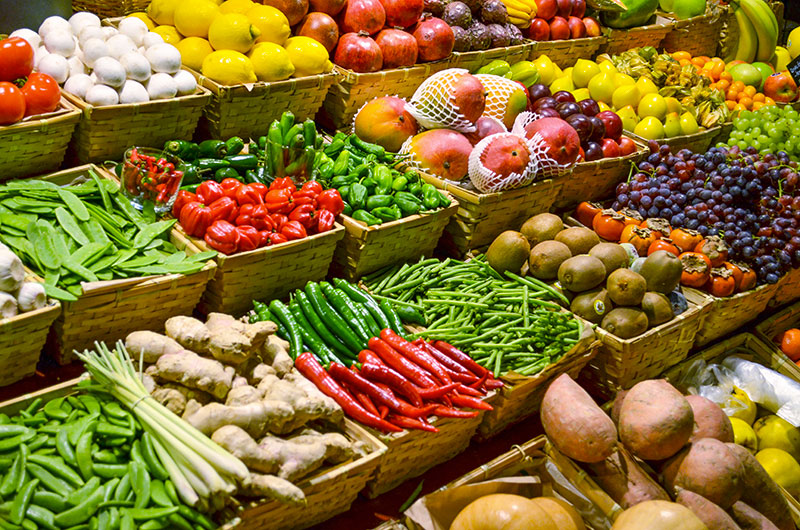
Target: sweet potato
(624,480)
(712,515)
(707,467)
(575,424)
(617,406)
(709,420)
(749,518)
(655,420)
(759,490)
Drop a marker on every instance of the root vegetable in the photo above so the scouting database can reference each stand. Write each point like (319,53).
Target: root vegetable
(712,515)
(256,418)
(749,518)
(334,411)
(31,296)
(243,395)
(189,333)
(189,369)
(259,372)
(275,351)
(150,345)
(272,487)
(8,305)
(299,456)
(232,341)
(625,481)
(170,398)
(307,407)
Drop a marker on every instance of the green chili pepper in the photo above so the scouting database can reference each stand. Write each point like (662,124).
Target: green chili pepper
(357,196)
(243,161)
(226,173)
(342,180)
(234,146)
(383,179)
(211,163)
(415,188)
(387,213)
(340,166)
(378,201)
(190,174)
(211,149)
(334,148)
(365,217)
(430,196)
(406,206)
(400,183)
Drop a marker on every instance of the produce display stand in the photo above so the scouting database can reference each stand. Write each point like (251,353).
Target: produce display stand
(110,8)
(620,40)
(352,90)
(698,35)
(788,289)
(106,132)
(698,142)
(483,216)
(473,60)
(776,324)
(565,53)
(597,180)
(365,249)
(37,145)
(264,273)
(109,310)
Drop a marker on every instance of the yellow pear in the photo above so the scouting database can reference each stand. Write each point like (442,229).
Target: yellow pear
(689,126)
(562,83)
(646,86)
(672,125)
(775,432)
(744,435)
(624,79)
(782,58)
(546,69)
(603,106)
(652,105)
(602,86)
(649,128)
(629,117)
(738,401)
(583,71)
(673,105)
(626,96)
(607,66)
(581,94)
(782,468)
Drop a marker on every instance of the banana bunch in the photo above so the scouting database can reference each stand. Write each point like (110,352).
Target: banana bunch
(758,31)
(521,12)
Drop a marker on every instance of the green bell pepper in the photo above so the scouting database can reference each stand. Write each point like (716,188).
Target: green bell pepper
(415,188)
(408,207)
(357,196)
(379,201)
(342,180)
(400,183)
(383,179)
(387,214)
(430,196)
(344,191)
(347,208)
(340,166)
(365,217)
(226,173)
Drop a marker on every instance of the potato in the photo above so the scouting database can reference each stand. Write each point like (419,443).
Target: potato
(712,515)
(617,406)
(749,518)
(625,481)
(760,492)
(655,420)
(575,424)
(709,420)
(707,467)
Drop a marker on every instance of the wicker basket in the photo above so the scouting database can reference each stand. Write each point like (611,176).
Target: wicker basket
(473,60)
(620,40)
(697,35)
(483,216)
(725,315)
(365,249)
(247,110)
(621,363)
(352,90)
(776,324)
(594,181)
(37,145)
(264,273)
(327,494)
(788,289)
(697,143)
(109,310)
(106,132)
(110,8)
(565,53)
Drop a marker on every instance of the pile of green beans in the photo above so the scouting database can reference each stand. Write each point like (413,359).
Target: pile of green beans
(510,323)
(82,462)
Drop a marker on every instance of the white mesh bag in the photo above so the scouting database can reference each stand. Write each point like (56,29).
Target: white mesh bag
(486,180)
(547,166)
(433,104)
(498,91)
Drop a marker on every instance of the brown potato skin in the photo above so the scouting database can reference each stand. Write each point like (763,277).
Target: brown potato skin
(617,406)
(760,492)
(655,420)
(749,518)
(709,420)
(712,515)
(706,467)
(575,424)
(623,479)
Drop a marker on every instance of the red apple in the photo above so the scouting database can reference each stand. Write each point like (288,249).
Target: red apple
(564,8)
(780,87)
(577,30)
(592,27)
(612,122)
(578,8)
(610,148)
(539,30)
(546,9)
(559,29)
(626,146)
(562,141)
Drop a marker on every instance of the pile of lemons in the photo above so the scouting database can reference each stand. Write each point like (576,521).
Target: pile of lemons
(235,41)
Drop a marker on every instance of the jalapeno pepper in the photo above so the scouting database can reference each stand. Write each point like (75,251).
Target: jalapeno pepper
(186,151)
(309,133)
(211,149)
(234,146)
(243,161)
(365,217)
(334,148)
(211,163)
(190,174)
(378,201)
(226,173)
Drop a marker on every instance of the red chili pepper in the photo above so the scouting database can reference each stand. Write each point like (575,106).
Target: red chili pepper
(312,370)
(209,191)
(384,410)
(293,230)
(469,391)
(493,384)
(325,220)
(182,199)
(247,195)
(223,236)
(305,214)
(416,354)
(469,402)
(405,367)
(195,218)
(479,383)
(380,395)
(260,218)
(285,183)
(411,423)
(383,374)
(460,357)
(272,238)
(365,401)
(447,362)
(332,201)
(225,208)
(449,412)
(279,200)
(367,356)
(249,238)
(466,379)
(437,392)
(261,188)
(230,187)
(278,220)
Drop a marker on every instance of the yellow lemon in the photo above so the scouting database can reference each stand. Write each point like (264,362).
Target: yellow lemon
(272,23)
(308,56)
(652,105)
(793,43)
(689,126)
(236,6)
(649,128)
(558,70)
(228,67)
(739,401)
(271,62)
(562,83)
(628,116)
(625,96)
(193,17)
(232,32)
(624,79)
(673,105)
(744,435)
(782,468)
(647,86)
(607,66)
(144,18)
(782,58)
(776,432)
(581,94)
(546,69)
(602,87)
(672,125)
(583,71)
(169,34)
(193,51)
(161,11)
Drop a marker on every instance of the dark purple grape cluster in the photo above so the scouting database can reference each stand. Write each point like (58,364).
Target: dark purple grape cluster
(750,200)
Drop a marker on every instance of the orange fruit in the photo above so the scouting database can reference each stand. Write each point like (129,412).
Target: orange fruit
(750,91)
(723,84)
(730,104)
(726,76)
(790,343)
(758,98)
(746,101)
(768,101)
(698,61)
(681,55)
(684,62)
(732,94)
(738,85)
(757,105)
(739,107)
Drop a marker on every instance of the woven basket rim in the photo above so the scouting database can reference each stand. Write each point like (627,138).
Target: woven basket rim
(348,220)
(655,27)
(294,83)
(474,195)
(66,112)
(700,135)
(527,43)
(738,296)
(351,76)
(199,93)
(53,306)
(569,43)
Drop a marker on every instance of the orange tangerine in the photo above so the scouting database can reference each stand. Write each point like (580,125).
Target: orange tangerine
(750,90)
(698,61)
(768,101)
(684,62)
(730,104)
(732,94)
(746,101)
(681,55)
(758,98)
(757,105)
(738,86)
(723,84)
(725,75)
(739,107)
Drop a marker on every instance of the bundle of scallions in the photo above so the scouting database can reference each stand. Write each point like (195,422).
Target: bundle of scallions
(205,475)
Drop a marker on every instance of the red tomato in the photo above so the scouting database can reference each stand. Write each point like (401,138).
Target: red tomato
(42,94)
(16,58)
(12,103)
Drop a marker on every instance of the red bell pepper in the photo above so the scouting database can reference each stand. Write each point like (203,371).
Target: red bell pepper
(312,186)
(283,183)
(223,236)
(299,198)
(272,238)
(325,220)
(182,199)
(230,187)
(293,230)
(305,214)
(247,195)
(278,220)
(279,200)
(332,201)
(245,216)
(195,218)
(405,367)
(261,188)
(209,191)
(416,354)
(224,208)
(261,219)
(249,238)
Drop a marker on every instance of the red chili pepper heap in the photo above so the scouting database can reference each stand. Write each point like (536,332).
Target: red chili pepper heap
(154,179)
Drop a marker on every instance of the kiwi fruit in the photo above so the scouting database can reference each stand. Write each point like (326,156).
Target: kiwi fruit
(612,255)
(592,305)
(541,227)
(569,295)
(658,308)
(508,252)
(579,239)
(662,270)
(626,287)
(546,258)
(625,322)
(581,273)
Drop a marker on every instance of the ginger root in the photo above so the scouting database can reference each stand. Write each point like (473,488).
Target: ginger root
(276,353)
(307,408)
(242,395)
(189,333)
(170,398)
(222,337)
(332,411)
(272,487)
(256,418)
(150,345)
(193,371)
